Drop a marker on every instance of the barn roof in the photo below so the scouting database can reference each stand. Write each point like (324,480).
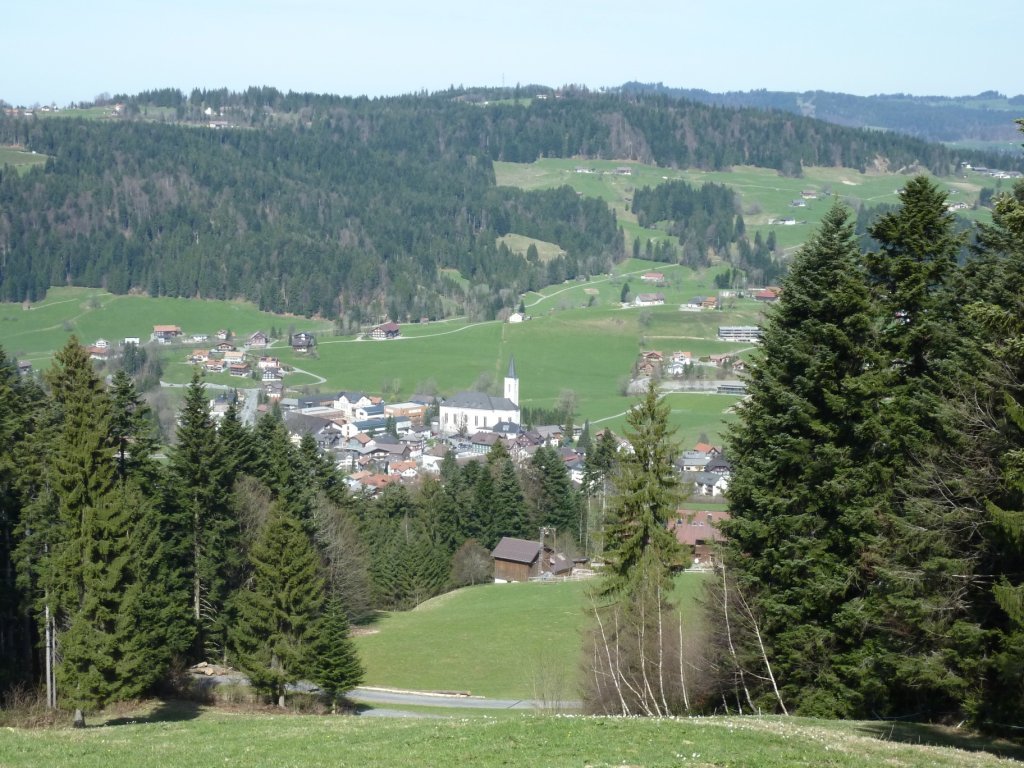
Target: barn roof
(516,550)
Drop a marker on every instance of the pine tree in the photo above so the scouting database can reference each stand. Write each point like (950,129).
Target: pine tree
(336,666)
(278,620)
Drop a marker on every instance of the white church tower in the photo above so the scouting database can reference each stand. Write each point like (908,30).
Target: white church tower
(512,382)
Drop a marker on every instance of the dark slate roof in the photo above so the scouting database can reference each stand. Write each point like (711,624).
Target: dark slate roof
(301,424)
(511,369)
(516,550)
(507,428)
(480,401)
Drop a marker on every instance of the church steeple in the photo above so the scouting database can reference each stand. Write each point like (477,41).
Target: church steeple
(512,382)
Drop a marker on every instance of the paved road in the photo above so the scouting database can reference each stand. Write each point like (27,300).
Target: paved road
(377,696)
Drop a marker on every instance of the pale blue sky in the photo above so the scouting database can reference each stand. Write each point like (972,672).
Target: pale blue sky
(70,50)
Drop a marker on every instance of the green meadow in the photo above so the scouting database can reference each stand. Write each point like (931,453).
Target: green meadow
(19,159)
(765,195)
(177,735)
(578,338)
(507,641)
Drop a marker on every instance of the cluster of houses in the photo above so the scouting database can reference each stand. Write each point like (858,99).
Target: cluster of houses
(655,364)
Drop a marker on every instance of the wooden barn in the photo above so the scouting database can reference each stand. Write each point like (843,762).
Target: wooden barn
(516,559)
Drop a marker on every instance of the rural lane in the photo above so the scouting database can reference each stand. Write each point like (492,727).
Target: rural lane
(386,696)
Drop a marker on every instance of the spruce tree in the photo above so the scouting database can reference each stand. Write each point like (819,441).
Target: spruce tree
(801,490)
(203,524)
(278,613)
(336,667)
(638,545)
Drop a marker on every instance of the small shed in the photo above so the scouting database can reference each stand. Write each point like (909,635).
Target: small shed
(516,559)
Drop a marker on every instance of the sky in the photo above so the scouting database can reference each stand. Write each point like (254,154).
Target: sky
(64,51)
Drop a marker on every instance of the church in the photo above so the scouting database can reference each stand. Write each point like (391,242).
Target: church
(472,412)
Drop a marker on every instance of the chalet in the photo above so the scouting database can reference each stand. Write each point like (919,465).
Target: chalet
(214,366)
(693,461)
(798,203)
(24,368)
(809,194)
(270,374)
(165,333)
(225,346)
(199,356)
(767,295)
(653,277)
(131,340)
(407,470)
(698,532)
(257,340)
(223,334)
(709,302)
(386,331)
(268,362)
(708,448)
(200,338)
(234,356)
(302,341)
(516,317)
(708,483)
(648,300)
(623,170)
(482,441)
(239,369)
(720,359)
(274,390)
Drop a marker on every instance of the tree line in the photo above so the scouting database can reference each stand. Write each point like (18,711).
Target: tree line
(875,540)
(123,561)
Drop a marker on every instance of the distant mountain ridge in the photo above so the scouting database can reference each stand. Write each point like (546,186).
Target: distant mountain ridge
(987,116)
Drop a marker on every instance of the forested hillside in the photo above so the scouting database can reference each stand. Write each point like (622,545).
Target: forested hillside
(355,207)
(984,117)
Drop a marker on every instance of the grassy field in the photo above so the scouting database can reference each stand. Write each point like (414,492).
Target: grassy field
(521,243)
(510,641)
(579,338)
(179,735)
(765,195)
(19,159)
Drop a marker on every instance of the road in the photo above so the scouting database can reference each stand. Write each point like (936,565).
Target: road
(377,696)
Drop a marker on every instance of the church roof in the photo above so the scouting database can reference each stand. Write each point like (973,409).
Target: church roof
(480,401)
(511,369)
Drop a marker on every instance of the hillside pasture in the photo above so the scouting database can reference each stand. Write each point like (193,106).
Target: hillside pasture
(508,641)
(175,735)
(765,195)
(520,244)
(20,160)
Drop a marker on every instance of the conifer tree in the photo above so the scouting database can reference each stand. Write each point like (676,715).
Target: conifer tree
(203,523)
(336,666)
(278,620)
(801,489)
(638,544)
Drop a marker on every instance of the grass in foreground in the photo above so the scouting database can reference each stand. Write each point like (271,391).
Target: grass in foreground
(200,737)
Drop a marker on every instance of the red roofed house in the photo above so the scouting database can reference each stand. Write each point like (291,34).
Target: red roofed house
(165,333)
(698,531)
(386,331)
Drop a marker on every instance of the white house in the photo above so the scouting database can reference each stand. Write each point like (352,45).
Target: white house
(472,412)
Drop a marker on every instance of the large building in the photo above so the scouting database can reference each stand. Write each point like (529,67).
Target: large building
(472,412)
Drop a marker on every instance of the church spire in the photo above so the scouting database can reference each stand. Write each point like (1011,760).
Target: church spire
(512,382)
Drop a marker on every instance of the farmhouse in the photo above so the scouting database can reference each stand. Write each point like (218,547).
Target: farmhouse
(257,340)
(698,531)
(165,333)
(471,412)
(302,341)
(386,331)
(653,277)
(648,300)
